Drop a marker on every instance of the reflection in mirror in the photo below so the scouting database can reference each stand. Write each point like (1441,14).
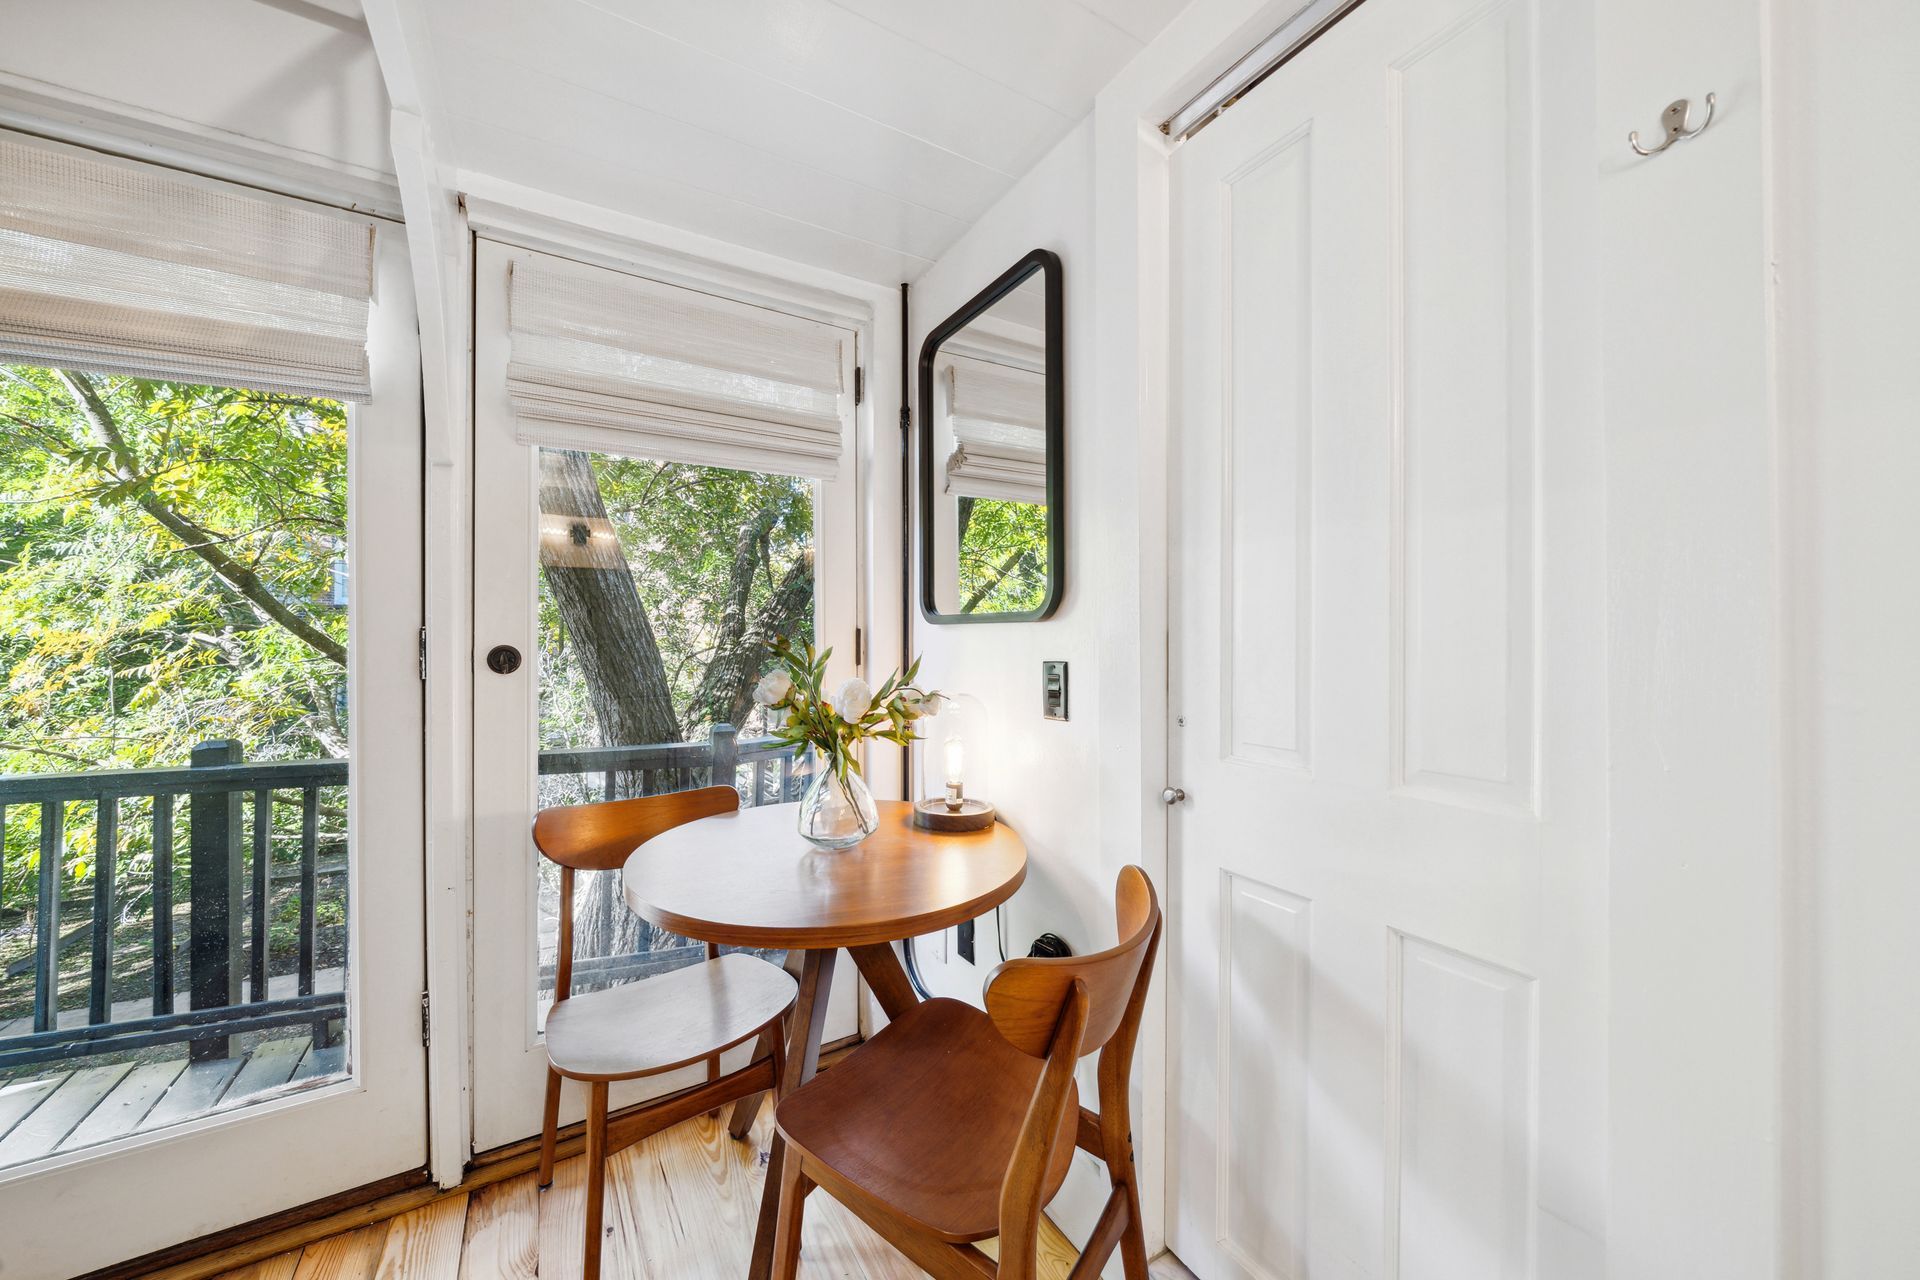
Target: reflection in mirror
(988,527)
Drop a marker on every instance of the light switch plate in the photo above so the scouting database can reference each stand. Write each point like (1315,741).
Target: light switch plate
(1053,688)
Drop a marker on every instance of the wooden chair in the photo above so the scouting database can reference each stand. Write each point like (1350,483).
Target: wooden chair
(952,1125)
(651,1027)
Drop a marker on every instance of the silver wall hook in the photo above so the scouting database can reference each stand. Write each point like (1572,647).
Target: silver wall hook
(1674,121)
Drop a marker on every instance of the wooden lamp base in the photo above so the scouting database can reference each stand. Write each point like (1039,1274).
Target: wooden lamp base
(972,815)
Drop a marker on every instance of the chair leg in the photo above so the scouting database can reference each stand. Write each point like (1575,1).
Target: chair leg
(1133,1241)
(748,1107)
(596,1176)
(794,1185)
(549,1129)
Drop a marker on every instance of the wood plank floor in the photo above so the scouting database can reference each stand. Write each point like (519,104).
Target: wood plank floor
(680,1206)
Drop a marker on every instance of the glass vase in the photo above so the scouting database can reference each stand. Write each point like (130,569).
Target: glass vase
(837,812)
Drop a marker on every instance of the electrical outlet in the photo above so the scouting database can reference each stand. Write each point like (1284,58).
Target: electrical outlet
(963,932)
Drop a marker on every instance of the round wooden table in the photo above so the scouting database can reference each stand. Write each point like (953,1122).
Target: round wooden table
(748,879)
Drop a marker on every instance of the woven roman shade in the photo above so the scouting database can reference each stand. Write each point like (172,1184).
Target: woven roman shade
(110,266)
(610,362)
(998,415)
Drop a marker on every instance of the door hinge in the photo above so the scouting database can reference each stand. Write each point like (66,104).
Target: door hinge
(859,384)
(859,645)
(426,1020)
(423,655)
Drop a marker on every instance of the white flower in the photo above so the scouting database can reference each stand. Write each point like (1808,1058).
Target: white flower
(925,704)
(853,699)
(773,688)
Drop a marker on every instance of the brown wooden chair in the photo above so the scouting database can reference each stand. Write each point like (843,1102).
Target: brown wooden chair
(651,1027)
(953,1125)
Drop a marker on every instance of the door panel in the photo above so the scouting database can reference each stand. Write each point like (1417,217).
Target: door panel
(1384,536)
(274,1112)
(539,729)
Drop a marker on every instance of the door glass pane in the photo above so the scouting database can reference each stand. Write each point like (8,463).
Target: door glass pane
(662,586)
(173,753)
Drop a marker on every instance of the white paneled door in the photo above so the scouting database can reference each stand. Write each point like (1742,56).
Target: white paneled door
(1387,660)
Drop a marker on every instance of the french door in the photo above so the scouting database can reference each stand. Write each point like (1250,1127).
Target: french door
(263,961)
(634,593)
(1387,660)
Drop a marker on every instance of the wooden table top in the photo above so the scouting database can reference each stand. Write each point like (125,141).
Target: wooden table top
(748,879)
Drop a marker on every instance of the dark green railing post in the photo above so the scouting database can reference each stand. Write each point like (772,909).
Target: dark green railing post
(46,917)
(106,856)
(215,896)
(726,755)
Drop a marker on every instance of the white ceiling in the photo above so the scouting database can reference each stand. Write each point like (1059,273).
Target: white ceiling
(859,135)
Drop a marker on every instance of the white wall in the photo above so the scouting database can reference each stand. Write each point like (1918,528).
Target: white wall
(1042,771)
(1044,774)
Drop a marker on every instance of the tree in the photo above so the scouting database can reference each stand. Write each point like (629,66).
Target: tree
(170,564)
(1003,555)
(592,587)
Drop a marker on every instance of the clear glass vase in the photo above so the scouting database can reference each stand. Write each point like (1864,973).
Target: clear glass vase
(837,811)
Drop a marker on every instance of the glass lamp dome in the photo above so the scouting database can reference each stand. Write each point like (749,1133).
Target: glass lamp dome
(952,758)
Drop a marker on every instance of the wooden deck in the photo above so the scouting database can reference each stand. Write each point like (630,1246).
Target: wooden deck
(70,1108)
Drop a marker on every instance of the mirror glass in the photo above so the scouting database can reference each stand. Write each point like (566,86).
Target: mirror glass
(990,436)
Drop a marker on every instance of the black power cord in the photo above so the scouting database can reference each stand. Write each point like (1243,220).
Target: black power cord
(1000,936)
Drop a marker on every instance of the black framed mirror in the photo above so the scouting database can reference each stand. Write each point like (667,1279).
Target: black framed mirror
(992,452)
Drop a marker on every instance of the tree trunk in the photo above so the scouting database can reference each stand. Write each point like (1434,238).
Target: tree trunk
(593,588)
(741,651)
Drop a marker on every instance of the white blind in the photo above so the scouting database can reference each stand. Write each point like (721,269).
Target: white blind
(998,415)
(606,361)
(115,267)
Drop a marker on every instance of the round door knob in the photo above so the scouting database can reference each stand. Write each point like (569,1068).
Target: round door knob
(503,659)
(1172,795)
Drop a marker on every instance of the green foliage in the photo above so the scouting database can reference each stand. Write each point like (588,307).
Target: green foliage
(679,526)
(121,644)
(122,647)
(178,575)
(1003,555)
(813,720)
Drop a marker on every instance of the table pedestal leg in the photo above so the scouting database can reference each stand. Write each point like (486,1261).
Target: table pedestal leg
(885,978)
(803,1057)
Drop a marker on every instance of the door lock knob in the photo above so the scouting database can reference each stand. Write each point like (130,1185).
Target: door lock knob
(503,659)
(1172,795)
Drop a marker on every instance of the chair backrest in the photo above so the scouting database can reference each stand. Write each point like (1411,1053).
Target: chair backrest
(600,836)
(1025,997)
(1060,1010)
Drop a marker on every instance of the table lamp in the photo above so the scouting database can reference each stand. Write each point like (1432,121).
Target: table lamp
(952,763)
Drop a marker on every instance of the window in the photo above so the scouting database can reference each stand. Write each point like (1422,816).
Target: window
(172,571)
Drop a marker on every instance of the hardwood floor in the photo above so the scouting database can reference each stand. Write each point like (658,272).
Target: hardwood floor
(680,1206)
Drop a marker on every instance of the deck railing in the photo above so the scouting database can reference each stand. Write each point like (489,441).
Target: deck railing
(233,871)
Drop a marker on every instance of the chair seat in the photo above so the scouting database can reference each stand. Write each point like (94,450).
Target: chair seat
(647,1027)
(924,1118)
